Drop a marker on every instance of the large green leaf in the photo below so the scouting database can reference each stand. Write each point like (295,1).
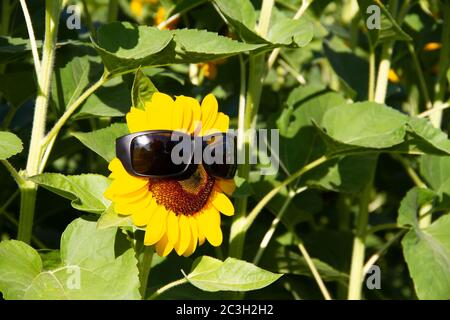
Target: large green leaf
(103,141)
(427,133)
(14,93)
(85,191)
(427,253)
(125,47)
(110,218)
(283,31)
(89,268)
(19,265)
(10,145)
(364,125)
(213,275)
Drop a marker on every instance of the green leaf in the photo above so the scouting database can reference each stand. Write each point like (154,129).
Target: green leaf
(103,141)
(286,261)
(76,66)
(283,32)
(10,145)
(290,33)
(15,49)
(427,253)
(78,247)
(411,203)
(436,171)
(346,174)
(124,47)
(143,90)
(213,275)
(364,125)
(89,270)
(85,191)
(110,218)
(344,62)
(19,265)
(430,135)
(390,30)
(111,100)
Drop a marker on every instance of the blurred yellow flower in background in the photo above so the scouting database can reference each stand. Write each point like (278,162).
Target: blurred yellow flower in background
(137,6)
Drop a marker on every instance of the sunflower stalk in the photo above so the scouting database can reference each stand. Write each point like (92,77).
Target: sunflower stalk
(247,120)
(29,188)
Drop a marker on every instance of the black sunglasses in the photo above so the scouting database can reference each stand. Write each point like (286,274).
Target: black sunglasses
(176,155)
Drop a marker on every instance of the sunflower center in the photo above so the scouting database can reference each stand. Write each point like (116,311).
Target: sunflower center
(185,196)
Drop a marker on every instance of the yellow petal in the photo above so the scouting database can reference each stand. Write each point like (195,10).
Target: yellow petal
(226,185)
(222,122)
(209,222)
(194,237)
(137,120)
(142,217)
(123,182)
(160,112)
(222,203)
(172,227)
(210,108)
(156,226)
(184,236)
(194,106)
(127,208)
(163,247)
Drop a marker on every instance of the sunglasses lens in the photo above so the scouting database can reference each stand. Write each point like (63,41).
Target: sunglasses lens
(151,155)
(222,156)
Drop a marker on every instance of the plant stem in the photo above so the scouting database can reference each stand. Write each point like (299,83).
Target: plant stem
(374,258)
(167,287)
(6,16)
(314,271)
(266,199)
(371,87)
(89,22)
(71,109)
(444,59)
(29,24)
(113,10)
(16,176)
(356,269)
(146,266)
(422,83)
(236,238)
(273,56)
(28,189)
(385,61)
(410,171)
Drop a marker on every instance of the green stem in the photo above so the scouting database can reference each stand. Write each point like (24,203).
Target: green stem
(6,15)
(444,60)
(371,88)
(266,199)
(89,22)
(167,287)
(410,171)
(16,176)
(28,189)
(385,61)
(422,82)
(33,44)
(146,266)
(314,272)
(113,10)
(268,236)
(70,110)
(357,262)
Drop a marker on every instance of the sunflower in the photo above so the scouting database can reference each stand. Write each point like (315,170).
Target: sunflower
(176,214)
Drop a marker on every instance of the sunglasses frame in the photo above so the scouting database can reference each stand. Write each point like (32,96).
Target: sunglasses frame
(123,153)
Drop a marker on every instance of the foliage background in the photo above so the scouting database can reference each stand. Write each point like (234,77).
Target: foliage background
(332,69)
